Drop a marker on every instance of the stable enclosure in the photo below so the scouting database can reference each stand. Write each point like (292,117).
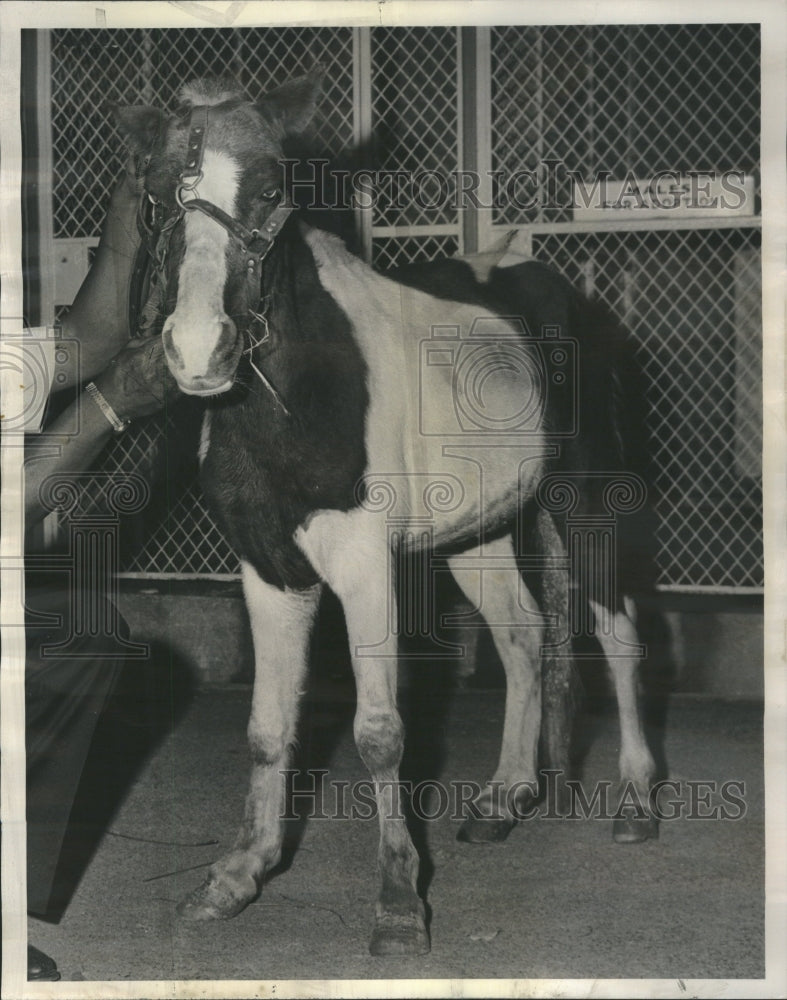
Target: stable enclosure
(468,141)
(437,102)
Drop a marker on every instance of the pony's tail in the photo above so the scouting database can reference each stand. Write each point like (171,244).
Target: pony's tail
(560,698)
(560,682)
(614,436)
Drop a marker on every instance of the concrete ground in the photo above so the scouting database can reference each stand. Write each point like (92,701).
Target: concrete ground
(558,899)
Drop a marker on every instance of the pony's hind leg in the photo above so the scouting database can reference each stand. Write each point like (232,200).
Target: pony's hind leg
(617,634)
(281,623)
(497,589)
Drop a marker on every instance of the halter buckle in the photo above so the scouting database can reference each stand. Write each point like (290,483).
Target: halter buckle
(189,185)
(187,188)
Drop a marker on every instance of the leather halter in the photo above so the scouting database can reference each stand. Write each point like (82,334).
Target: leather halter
(255,243)
(156,229)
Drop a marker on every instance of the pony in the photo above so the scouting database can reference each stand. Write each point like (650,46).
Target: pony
(353,419)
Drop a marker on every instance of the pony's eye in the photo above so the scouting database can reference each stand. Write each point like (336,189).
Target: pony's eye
(271,194)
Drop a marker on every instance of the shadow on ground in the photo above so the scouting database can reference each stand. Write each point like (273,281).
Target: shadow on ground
(150,698)
(557,900)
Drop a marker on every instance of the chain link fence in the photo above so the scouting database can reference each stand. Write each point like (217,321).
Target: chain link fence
(615,98)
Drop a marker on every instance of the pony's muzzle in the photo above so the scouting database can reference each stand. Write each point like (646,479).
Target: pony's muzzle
(198,377)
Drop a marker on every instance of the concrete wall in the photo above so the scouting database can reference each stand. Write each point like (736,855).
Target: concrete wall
(701,645)
(715,644)
(204,625)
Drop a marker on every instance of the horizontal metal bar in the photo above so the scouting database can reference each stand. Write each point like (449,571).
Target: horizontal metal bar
(667,588)
(689,588)
(87,241)
(630,225)
(483,563)
(442,229)
(153,577)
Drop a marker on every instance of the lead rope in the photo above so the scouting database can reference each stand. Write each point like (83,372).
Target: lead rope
(262,319)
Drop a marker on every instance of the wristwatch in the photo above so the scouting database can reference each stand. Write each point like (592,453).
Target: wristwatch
(97,396)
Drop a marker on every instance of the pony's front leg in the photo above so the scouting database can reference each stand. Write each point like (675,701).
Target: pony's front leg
(352,554)
(281,623)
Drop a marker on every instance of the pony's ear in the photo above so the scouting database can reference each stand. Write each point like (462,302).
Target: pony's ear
(292,105)
(139,124)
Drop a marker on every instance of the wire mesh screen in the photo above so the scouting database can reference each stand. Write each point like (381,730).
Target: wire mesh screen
(639,98)
(93,67)
(174,533)
(88,68)
(691,300)
(414,109)
(394,251)
(614,98)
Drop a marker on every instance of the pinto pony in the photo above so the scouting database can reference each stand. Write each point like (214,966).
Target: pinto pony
(351,417)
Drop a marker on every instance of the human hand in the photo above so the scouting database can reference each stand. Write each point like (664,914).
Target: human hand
(137,382)
(134,177)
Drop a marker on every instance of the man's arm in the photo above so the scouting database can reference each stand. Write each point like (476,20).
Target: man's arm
(98,317)
(135,384)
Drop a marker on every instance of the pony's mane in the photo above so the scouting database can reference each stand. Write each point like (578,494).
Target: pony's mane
(210,90)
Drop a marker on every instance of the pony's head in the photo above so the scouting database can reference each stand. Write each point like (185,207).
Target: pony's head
(215,168)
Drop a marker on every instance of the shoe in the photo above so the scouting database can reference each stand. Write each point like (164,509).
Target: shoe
(40,967)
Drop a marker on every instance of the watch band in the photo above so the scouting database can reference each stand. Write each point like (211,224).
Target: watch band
(97,396)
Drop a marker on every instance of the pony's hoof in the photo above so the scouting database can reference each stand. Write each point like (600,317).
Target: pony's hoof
(634,829)
(214,900)
(484,831)
(399,935)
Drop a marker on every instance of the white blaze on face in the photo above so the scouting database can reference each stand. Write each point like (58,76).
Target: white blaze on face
(197,322)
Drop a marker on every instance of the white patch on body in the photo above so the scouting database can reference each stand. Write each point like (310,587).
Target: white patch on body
(415,438)
(196,322)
